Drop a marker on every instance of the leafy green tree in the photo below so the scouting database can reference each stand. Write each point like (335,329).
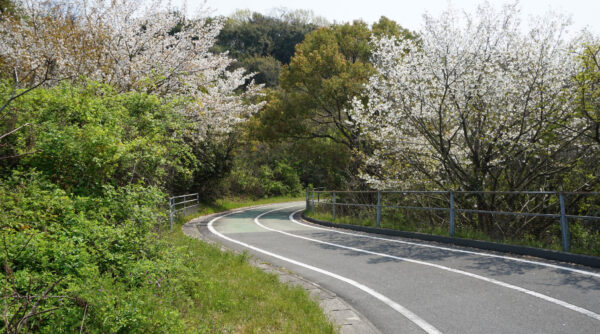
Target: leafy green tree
(266,68)
(585,123)
(328,70)
(389,28)
(253,34)
(588,91)
(261,43)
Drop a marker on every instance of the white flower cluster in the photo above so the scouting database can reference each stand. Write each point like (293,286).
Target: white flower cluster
(473,96)
(149,48)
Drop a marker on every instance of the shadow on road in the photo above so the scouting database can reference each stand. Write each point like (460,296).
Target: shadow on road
(487,266)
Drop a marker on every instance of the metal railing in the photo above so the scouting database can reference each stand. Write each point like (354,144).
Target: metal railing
(329,198)
(182,203)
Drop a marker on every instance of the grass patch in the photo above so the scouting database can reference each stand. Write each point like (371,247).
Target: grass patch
(220,292)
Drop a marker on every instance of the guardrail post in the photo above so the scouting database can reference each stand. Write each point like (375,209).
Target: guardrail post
(564,224)
(170,213)
(452,214)
(313,202)
(378,223)
(333,204)
(307,198)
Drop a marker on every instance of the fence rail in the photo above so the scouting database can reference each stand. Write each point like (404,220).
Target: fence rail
(180,203)
(331,197)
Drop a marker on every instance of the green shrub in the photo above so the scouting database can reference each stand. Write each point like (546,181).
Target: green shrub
(81,243)
(95,253)
(264,181)
(86,137)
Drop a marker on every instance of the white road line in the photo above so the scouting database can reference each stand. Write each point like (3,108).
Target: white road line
(579,271)
(399,308)
(457,271)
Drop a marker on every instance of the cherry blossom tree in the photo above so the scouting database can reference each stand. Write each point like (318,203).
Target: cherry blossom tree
(478,103)
(132,46)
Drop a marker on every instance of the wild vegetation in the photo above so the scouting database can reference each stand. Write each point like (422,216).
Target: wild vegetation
(108,107)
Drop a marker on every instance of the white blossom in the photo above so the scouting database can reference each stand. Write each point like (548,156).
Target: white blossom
(151,48)
(470,104)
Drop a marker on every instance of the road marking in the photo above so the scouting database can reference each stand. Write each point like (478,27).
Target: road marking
(397,307)
(579,271)
(457,271)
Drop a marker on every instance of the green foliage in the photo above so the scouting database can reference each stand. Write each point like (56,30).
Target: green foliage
(320,69)
(261,44)
(104,269)
(389,28)
(84,138)
(260,35)
(266,68)
(81,243)
(588,91)
(7,7)
(329,68)
(76,253)
(213,161)
(275,179)
(309,112)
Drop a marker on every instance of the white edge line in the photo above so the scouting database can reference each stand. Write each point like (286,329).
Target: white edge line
(579,271)
(397,307)
(457,271)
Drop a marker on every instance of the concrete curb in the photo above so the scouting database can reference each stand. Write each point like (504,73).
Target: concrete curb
(338,311)
(585,260)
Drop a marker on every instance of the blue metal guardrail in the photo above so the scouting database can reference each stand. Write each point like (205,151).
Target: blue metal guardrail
(452,209)
(182,204)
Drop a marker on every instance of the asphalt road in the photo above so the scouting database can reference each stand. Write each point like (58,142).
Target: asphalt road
(409,286)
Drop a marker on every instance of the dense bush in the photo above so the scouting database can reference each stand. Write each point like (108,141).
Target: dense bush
(81,208)
(85,137)
(65,255)
(281,179)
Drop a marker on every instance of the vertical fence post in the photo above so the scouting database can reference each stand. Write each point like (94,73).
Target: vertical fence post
(307,198)
(564,224)
(378,223)
(333,204)
(452,217)
(170,213)
(313,202)
(197,202)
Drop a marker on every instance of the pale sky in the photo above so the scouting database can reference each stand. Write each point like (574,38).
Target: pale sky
(408,13)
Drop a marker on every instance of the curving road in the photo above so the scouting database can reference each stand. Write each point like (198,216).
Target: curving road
(407,286)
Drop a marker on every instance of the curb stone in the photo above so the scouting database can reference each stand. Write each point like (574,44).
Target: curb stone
(342,314)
